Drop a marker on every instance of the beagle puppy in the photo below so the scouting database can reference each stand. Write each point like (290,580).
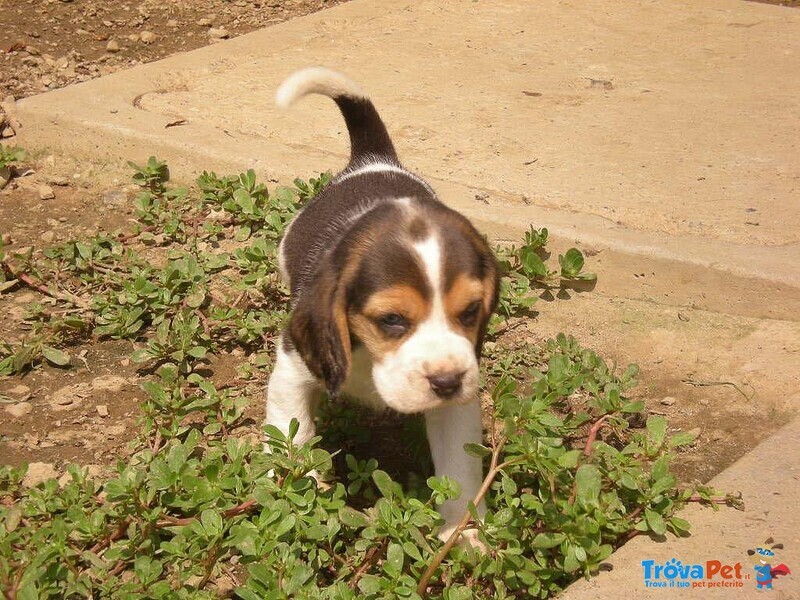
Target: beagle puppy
(391,294)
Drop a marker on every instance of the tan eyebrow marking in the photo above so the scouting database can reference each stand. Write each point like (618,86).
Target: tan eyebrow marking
(401,299)
(404,300)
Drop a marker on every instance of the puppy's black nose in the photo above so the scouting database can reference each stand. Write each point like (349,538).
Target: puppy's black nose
(445,385)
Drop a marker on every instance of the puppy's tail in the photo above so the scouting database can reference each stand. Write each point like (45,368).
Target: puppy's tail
(368,136)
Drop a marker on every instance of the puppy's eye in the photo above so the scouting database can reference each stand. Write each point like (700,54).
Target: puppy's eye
(469,315)
(393,324)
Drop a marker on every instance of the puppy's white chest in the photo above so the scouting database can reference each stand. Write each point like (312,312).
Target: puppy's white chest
(359,384)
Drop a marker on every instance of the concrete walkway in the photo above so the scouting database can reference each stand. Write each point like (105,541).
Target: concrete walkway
(662,137)
(666,129)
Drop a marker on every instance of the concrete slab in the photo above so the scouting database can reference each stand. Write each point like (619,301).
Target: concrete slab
(769,481)
(662,130)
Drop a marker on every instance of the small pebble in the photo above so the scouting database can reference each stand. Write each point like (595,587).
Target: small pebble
(46,192)
(668,401)
(39,472)
(102,410)
(112,46)
(218,34)
(147,37)
(19,409)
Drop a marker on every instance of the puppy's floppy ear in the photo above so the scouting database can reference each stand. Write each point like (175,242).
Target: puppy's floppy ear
(319,331)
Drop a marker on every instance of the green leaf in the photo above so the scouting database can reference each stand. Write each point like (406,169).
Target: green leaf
(633,407)
(395,557)
(285,526)
(655,521)
(352,517)
(683,438)
(680,525)
(384,483)
(477,450)
(196,299)
(141,355)
(508,485)
(662,485)
(569,460)
(588,483)
(370,584)
(55,356)
(197,352)
(548,540)
(571,263)
(657,427)
(7,285)
(532,264)
(571,562)
(412,551)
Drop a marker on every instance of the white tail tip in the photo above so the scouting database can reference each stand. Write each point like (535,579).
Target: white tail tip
(316,80)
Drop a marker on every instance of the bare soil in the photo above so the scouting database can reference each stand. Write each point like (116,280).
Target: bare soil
(47,44)
(88,413)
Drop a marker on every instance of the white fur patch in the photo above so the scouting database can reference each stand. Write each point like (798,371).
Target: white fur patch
(292,392)
(434,348)
(378,166)
(431,255)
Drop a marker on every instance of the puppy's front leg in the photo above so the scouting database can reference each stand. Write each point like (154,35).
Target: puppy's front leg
(292,392)
(449,428)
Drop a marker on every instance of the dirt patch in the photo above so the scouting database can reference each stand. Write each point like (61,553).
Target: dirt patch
(731,379)
(48,44)
(88,414)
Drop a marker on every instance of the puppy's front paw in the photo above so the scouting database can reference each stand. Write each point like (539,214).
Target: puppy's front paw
(466,539)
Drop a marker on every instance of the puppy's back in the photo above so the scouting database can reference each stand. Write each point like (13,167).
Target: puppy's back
(373,179)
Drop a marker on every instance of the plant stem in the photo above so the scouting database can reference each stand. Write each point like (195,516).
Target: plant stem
(494,470)
(369,560)
(40,287)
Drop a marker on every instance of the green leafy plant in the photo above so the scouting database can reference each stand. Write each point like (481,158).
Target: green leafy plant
(10,155)
(199,510)
(153,175)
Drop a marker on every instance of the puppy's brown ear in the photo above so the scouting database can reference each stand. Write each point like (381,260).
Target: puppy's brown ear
(319,331)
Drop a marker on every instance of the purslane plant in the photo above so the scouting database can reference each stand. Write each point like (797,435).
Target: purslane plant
(199,510)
